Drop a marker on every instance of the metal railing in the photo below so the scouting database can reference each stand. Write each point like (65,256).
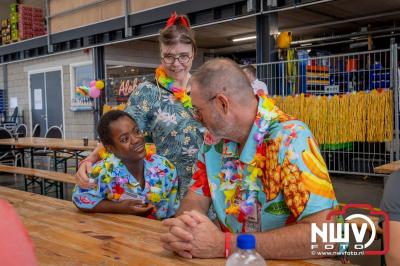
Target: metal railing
(344,74)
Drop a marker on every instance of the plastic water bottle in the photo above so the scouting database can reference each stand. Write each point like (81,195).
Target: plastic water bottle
(246,253)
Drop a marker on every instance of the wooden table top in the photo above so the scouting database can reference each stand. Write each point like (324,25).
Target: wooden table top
(63,235)
(56,144)
(388,168)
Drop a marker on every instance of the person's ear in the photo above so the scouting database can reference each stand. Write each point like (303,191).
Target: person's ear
(223,103)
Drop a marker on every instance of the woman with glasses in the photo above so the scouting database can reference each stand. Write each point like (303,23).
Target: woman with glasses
(162,108)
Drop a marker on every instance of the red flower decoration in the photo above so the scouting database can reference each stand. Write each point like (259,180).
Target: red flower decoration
(201,180)
(174,18)
(118,189)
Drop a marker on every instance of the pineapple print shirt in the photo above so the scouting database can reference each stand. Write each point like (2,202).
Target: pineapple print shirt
(169,125)
(291,183)
(114,182)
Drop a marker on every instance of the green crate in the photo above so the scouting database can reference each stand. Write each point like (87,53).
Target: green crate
(14,35)
(14,8)
(14,26)
(13,18)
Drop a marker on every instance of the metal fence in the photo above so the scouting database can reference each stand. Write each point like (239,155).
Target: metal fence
(344,74)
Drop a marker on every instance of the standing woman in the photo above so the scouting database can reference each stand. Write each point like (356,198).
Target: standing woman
(163,108)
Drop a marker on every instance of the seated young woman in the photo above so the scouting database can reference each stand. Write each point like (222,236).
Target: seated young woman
(129,181)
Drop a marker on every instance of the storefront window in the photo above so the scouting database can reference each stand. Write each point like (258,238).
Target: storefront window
(81,75)
(123,80)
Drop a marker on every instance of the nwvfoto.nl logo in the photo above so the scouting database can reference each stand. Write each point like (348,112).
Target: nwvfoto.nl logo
(332,234)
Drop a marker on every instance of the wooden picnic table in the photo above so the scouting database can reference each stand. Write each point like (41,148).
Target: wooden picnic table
(388,168)
(63,235)
(74,146)
(50,143)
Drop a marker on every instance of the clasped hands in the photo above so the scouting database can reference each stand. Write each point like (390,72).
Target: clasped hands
(193,234)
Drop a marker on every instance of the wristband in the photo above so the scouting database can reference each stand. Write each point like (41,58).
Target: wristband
(84,160)
(227,243)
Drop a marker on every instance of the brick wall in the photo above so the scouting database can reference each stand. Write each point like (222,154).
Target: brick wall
(77,124)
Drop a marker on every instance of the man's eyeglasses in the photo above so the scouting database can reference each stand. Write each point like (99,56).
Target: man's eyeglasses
(182,58)
(196,111)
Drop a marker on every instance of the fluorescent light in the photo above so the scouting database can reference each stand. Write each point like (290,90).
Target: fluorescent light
(111,67)
(244,38)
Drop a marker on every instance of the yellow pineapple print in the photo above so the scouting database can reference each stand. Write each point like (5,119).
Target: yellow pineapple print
(296,195)
(272,177)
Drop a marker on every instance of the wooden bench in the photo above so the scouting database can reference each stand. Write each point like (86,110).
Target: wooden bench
(50,175)
(43,174)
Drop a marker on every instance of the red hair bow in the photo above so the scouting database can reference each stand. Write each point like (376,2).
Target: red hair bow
(174,18)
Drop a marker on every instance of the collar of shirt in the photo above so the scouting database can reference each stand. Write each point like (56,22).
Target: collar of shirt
(231,148)
(119,170)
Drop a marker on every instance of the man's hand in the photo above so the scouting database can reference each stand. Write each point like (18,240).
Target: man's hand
(193,235)
(179,236)
(135,207)
(208,241)
(82,177)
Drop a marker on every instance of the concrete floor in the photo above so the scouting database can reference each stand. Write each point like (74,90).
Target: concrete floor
(349,189)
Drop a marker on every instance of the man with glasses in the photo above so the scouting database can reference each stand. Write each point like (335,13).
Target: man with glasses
(261,170)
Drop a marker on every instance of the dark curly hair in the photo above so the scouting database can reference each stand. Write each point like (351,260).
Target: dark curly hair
(103,128)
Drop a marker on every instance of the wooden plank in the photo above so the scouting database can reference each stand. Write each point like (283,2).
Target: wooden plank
(87,15)
(56,176)
(140,5)
(56,144)
(65,236)
(388,168)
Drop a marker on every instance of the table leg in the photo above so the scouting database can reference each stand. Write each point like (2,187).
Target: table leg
(32,161)
(61,190)
(76,160)
(42,187)
(55,160)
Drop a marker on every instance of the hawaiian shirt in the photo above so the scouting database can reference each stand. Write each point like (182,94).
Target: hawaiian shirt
(115,183)
(171,127)
(290,178)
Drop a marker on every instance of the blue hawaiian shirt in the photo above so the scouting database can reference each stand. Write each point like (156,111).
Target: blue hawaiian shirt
(171,127)
(291,182)
(114,182)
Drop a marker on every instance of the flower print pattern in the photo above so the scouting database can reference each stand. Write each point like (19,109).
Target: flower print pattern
(164,123)
(114,182)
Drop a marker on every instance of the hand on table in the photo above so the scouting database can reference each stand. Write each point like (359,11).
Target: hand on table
(193,235)
(135,207)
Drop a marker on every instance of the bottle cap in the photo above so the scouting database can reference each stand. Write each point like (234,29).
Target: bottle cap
(246,241)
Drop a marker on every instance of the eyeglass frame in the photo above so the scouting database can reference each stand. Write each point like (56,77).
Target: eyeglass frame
(178,57)
(196,111)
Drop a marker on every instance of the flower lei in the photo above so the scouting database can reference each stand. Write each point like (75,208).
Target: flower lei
(149,147)
(167,82)
(231,184)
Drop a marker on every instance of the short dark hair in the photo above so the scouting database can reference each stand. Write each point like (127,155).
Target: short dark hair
(103,128)
(178,33)
(251,69)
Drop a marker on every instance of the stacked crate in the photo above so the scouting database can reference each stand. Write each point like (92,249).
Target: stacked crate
(26,22)
(25,27)
(14,22)
(5,31)
(38,22)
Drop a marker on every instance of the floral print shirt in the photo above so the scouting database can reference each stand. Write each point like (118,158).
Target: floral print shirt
(114,182)
(291,180)
(171,127)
